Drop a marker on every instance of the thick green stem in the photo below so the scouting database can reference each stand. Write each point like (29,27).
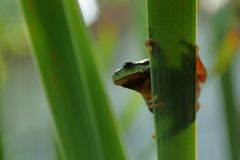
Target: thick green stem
(172,24)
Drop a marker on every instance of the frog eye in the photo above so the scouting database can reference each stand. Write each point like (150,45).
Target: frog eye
(128,64)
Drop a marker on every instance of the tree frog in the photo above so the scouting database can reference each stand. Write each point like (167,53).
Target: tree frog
(136,76)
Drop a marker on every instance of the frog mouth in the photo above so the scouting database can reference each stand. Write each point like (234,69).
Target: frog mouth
(133,81)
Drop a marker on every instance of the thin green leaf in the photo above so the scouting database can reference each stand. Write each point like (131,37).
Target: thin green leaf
(1,145)
(80,110)
(105,122)
(227,51)
(231,114)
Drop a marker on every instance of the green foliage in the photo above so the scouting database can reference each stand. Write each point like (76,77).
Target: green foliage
(3,72)
(79,125)
(81,112)
(1,145)
(1,149)
(227,50)
(231,114)
(227,46)
(173,25)
(2,80)
(12,37)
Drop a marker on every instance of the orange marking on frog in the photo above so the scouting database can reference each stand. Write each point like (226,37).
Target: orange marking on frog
(201,76)
(201,70)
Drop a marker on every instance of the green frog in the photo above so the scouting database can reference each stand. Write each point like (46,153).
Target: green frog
(136,76)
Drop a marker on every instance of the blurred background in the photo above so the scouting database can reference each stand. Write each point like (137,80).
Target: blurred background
(118,28)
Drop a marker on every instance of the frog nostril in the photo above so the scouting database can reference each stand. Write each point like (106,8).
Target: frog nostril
(128,64)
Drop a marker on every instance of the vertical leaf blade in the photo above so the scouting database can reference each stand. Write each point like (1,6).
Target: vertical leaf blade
(103,113)
(77,101)
(231,113)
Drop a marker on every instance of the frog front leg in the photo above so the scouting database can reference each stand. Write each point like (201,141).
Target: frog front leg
(151,103)
(149,43)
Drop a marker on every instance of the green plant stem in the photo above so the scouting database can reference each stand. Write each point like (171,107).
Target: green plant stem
(231,114)
(173,59)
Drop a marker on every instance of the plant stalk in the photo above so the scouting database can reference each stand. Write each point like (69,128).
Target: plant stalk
(172,29)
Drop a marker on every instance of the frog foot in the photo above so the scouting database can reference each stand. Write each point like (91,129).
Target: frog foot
(149,44)
(154,136)
(198,107)
(195,47)
(152,105)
